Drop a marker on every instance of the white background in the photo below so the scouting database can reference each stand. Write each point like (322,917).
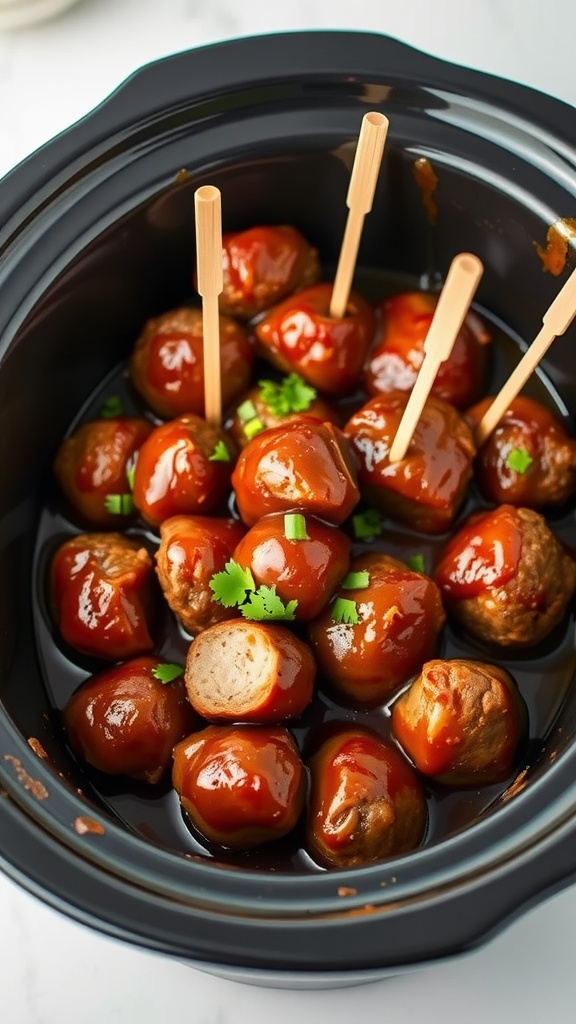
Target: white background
(51,970)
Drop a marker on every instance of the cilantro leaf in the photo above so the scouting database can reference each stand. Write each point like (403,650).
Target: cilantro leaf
(264,603)
(346,611)
(167,673)
(231,586)
(356,580)
(220,453)
(417,563)
(111,407)
(367,524)
(519,460)
(119,504)
(292,394)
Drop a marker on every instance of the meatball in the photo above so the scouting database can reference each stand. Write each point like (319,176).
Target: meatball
(262,265)
(396,359)
(383,625)
(302,558)
(249,672)
(461,722)
(242,786)
(183,468)
(426,488)
(102,591)
(92,468)
(505,577)
(167,364)
(529,459)
(299,334)
(126,721)
(192,549)
(272,403)
(366,802)
(305,466)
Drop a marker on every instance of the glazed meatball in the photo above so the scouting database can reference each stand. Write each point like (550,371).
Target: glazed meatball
(383,625)
(249,672)
(304,466)
(426,488)
(126,721)
(395,361)
(261,266)
(242,786)
(529,459)
(299,334)
(192,549)
(167,364)
(461,722)
(92,466)
(103,595)
(183,468)
(366,802)
(302,558)
(505,577)
(272,403)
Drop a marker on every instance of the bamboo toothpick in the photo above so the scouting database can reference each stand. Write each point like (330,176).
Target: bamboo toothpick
(454,302)
(359,202)
(208,210)
(556,321)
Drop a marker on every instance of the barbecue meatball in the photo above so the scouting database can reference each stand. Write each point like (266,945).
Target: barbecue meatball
(167,364)
(424,489)
(366,802)
(299,334)
(262,265)
(183,468)
(92,466)
(249,672)
(305,466)
(394,363)
(241,785)
(529,459)
(302,558)
(125,721)
(461,722)
(272,403)
(382,627)
(192,549)
(102,591)
(506,578)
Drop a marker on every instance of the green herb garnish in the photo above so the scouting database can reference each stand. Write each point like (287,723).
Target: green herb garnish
(246,411)
(292,394)
(235,588)
(367,524)
(167,673)
(519,460)
(119,504)
(112,407)
(253,427)
(295,526)
(130,471)
(345,611)
(417,563)
(220,453)
(356,580)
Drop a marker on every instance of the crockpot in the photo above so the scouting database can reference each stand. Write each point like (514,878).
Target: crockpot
(97,234)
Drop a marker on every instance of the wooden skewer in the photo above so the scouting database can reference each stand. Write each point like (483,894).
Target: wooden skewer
(454,302)
(359,202)
(555,321)
(208,210)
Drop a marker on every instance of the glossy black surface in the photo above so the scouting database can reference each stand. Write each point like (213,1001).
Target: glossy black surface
(98,235)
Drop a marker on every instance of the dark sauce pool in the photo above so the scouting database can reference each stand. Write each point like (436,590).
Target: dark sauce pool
(543,673)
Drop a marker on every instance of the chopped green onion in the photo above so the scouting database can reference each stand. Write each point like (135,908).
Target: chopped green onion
(356,580)
(345,611)
(246,411)
(367,524)
(112,407)
(519,460)
(167,673)
(253,427)
(130,471)
(119,504)
(220,453)
(417,563)
(295,526)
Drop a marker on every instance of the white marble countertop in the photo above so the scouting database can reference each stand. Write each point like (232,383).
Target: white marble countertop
(53,971)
